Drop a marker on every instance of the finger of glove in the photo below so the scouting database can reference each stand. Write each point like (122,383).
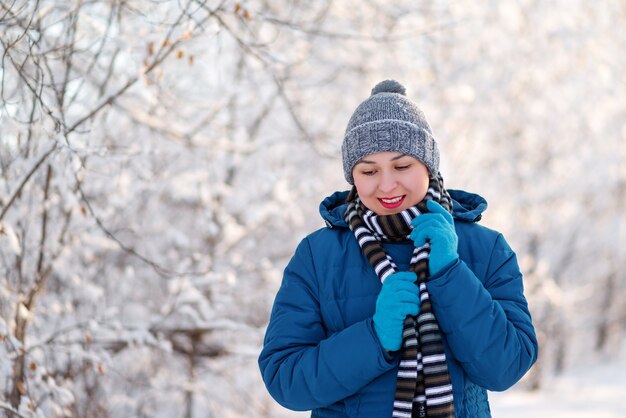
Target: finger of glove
(405,309)
(437,227)
(418,241)
(435,230)
(392,287)
(435,207)
(420,236)
(419,220)
(442,235)
(396,310)
(396,314)
(403,276)
(404,292)
(433,219)
(400,296)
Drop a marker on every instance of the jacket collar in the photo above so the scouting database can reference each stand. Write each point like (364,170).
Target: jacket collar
(466,207)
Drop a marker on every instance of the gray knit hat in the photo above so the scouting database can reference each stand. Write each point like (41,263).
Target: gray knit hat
(388,121)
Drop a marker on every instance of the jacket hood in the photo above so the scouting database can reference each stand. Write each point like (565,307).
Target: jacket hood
(466,207)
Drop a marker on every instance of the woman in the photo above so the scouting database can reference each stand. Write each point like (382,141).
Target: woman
(403,305)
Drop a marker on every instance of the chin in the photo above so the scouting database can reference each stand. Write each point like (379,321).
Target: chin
(385,211)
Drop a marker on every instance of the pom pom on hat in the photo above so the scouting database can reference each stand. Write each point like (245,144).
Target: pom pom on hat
(389,86)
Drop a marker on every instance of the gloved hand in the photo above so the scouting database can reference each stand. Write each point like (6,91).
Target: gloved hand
(437,226)
(398,298)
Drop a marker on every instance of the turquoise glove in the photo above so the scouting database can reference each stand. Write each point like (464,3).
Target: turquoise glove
(398,298)
(437,226)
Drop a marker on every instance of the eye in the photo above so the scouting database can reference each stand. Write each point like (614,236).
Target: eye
(403,167)
(368,172)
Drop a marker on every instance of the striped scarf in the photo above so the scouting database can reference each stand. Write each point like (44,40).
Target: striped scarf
(423,386)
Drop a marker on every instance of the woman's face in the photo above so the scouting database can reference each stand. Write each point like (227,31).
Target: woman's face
(390,182)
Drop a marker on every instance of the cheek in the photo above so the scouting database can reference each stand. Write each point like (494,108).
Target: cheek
(363,186)
(424,186)
(417,187)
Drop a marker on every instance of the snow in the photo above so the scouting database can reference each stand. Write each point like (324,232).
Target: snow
(596,391)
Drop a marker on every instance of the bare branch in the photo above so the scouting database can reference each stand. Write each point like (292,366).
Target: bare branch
(22,74)
(44,222)
(10,411)
(167,47)
(17,192)
(158,268)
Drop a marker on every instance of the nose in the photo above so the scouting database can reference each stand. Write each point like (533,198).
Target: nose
(387,183)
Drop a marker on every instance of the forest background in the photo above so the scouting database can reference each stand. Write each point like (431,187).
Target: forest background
(160,161)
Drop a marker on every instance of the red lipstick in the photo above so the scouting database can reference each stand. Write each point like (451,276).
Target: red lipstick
(391,202)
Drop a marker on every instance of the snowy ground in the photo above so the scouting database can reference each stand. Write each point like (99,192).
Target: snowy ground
(593,391)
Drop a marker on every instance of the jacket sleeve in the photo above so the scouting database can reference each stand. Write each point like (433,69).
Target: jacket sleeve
(487,326)
(303,368)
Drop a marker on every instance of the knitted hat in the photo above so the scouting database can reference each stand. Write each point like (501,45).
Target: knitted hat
(388,121)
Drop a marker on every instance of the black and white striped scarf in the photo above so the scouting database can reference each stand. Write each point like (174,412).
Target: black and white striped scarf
(423,386)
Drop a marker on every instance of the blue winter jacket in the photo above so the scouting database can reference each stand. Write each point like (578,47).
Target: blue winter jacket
(321,352)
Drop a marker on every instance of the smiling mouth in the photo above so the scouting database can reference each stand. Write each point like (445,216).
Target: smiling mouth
(392,202)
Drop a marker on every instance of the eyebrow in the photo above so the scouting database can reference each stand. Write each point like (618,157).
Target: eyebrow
(397,157)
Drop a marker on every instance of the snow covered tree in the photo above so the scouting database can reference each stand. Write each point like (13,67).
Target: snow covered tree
(159,161)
